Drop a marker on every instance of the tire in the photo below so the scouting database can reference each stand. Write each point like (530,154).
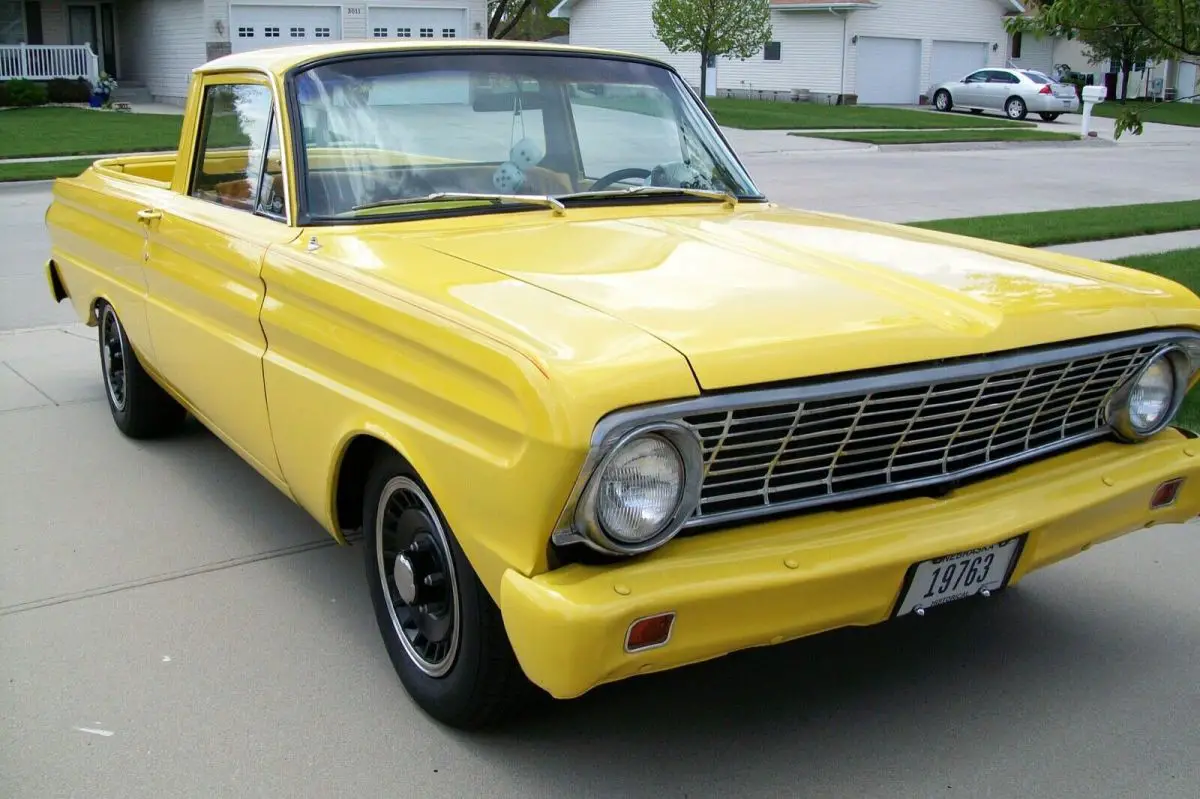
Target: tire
(458,666)
(1015,108)
(942,100)
(1048,117)
(140,407)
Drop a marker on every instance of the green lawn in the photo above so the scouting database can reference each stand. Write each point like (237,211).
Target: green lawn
(761,115)
(1166,113)
(1182,266)
(941,136)
(1044,228)
(43,170)
(28,132)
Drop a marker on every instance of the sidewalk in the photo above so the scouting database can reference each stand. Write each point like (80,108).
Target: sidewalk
(1134,245)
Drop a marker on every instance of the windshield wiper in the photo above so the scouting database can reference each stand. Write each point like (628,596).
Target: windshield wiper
(452,196)
(722,196)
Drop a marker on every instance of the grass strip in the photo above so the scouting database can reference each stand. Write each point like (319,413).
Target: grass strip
(1044,228)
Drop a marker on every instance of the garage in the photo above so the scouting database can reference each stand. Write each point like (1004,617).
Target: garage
(256,27)
(408,22)
(889,70)
(956,60)
(404,22)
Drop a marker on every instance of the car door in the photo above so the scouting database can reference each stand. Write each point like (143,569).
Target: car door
(999,87)
(969,92)
(206,246)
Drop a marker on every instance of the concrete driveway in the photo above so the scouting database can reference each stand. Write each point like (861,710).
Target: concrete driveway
(171,626)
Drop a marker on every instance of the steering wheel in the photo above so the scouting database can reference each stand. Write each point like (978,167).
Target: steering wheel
(619,175)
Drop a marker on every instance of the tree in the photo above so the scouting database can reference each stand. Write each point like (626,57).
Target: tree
(1121,40)
(713,28)
(1174,24)
(1134,30)
(503,16)
(535,23)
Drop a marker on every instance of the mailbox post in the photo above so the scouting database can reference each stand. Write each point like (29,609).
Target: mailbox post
(1091,96)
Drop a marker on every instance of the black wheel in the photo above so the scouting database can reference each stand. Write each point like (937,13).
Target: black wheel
(942,100)
(140,407)
(444,634)
(1048,117)
(1014,108)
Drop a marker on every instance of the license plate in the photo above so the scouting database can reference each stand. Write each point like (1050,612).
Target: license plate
(945,579)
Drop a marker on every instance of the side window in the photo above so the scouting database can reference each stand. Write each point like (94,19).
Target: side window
(271,194)
(977,77)
(233,136)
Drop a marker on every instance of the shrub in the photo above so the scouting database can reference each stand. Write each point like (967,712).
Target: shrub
(62,90)
(26,93)
(3,93)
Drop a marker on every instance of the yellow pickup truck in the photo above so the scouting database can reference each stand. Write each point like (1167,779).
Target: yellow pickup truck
(518,316)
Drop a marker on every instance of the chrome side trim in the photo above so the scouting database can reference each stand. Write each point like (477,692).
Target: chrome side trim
(612,427)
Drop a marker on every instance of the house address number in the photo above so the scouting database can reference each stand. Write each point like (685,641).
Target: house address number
(354,11)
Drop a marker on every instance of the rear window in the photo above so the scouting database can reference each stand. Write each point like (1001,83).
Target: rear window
(1037,77)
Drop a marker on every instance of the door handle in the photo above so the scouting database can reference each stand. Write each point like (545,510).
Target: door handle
(148,215)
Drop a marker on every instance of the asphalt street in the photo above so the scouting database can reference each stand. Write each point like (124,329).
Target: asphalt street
(170,625)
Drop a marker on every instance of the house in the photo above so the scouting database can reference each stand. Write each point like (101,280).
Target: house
(865,51)
(157,43)
(882,51)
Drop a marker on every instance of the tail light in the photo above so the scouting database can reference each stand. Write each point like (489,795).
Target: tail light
(1045,89)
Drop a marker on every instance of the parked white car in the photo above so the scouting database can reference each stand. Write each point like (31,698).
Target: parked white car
(1016,92)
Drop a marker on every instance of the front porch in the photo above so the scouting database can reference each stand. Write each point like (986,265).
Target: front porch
(46,39)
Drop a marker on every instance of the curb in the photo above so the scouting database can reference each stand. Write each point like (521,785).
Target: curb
(16,185)
(993,145)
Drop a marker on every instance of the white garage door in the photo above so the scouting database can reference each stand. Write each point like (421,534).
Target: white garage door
(396,22)
(255,27)
(956,60)
(889,70)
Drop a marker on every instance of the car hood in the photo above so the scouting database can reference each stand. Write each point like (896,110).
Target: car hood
(762,295)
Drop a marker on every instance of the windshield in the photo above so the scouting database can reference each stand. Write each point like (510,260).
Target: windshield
(401,127)
(1036,77)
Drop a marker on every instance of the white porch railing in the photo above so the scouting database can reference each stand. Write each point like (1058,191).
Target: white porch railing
(47,61)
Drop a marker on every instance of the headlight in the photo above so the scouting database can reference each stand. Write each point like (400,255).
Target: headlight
(1146,404)
(642,490)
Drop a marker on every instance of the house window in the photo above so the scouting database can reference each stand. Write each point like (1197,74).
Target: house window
(1016,45)
(321,33)
(772,51)
(404,33)
(12,23)
(426,33)
(448,33)
(297,33)
(379,33)
(245,33)
(271,33)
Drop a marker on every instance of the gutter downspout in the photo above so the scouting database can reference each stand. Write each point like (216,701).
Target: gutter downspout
(842,84)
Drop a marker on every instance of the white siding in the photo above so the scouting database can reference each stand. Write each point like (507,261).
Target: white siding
(1037,54)
(162,41)
(810,47)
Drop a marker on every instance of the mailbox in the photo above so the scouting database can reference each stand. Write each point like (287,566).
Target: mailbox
(1094,94)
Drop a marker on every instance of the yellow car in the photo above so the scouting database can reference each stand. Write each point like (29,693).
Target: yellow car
(518,316)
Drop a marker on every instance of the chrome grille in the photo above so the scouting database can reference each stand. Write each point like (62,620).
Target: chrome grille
(833,448)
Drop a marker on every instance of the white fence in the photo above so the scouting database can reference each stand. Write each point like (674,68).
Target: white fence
(47,61)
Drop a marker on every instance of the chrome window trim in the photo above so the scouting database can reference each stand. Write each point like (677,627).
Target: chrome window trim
(614,426)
